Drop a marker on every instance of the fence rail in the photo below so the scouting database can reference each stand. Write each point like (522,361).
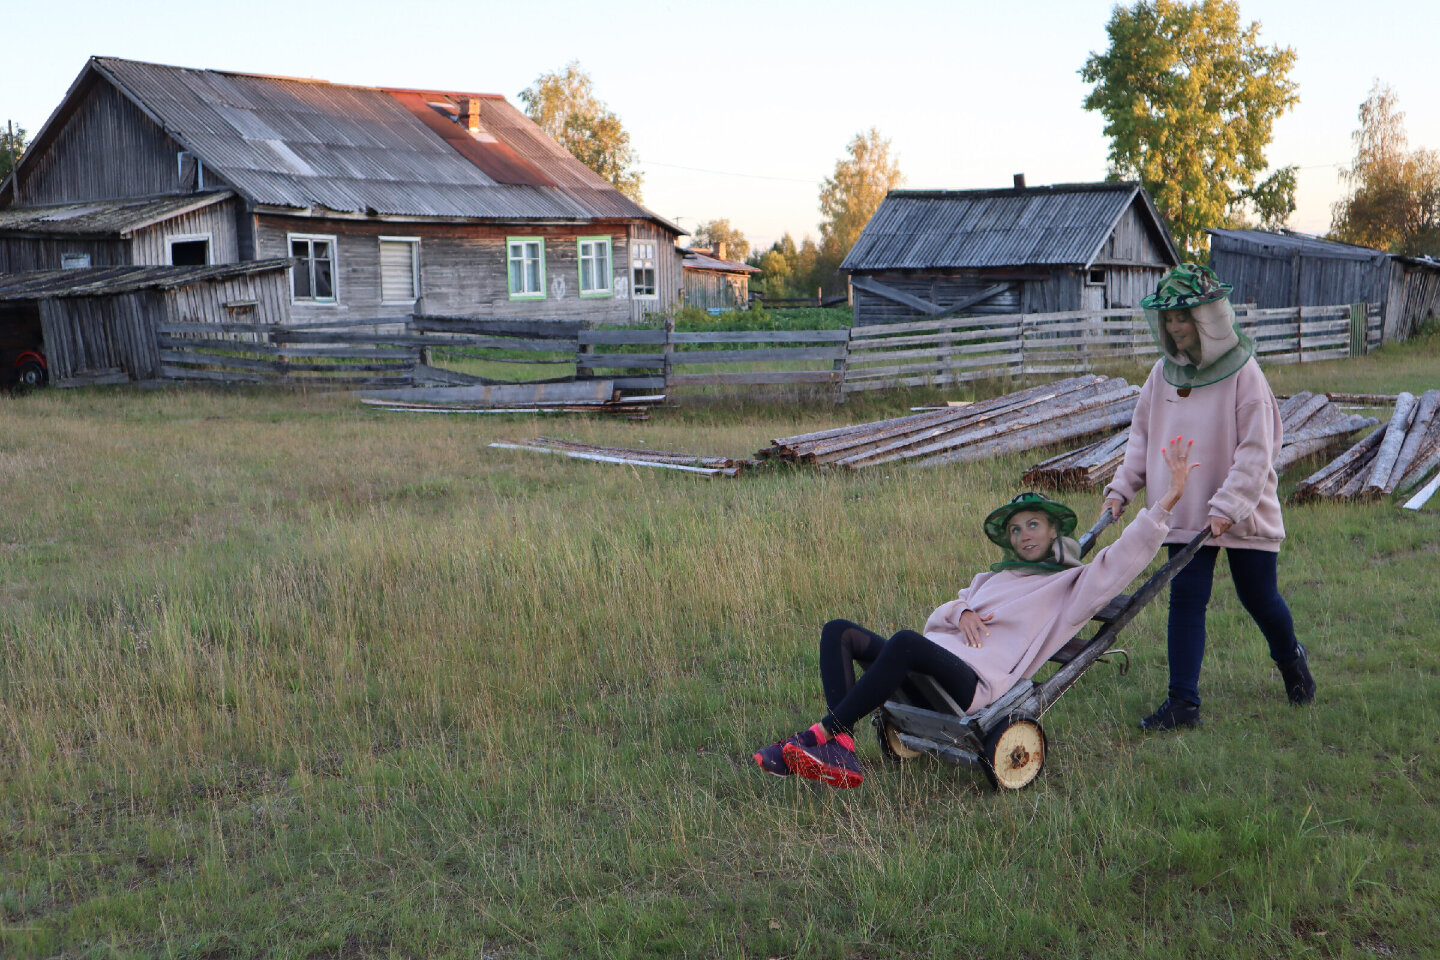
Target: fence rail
(939,352)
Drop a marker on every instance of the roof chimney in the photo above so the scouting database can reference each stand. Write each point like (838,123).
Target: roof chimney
(720,250)
(1019,181)
(472,113)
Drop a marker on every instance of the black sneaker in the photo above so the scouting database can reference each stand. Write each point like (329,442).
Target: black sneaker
(1172,714)
(1299,685)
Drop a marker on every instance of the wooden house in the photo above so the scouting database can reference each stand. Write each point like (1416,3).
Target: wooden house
(1065,247)
(383,197)
(1293,269)
(713,282)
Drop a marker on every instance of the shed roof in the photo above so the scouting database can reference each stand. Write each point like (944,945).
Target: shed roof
(306,144)
(695,260)
(103,218)
(1059,225)
(1286,244)
(104,281)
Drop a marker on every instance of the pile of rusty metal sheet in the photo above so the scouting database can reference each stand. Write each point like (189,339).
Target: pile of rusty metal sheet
(1394,458)
(684,462)
(1309,422)
(1024,420)
(1088,467)
(574,396)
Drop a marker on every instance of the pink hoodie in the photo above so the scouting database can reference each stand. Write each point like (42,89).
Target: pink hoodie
(1037,613)
(1235,424)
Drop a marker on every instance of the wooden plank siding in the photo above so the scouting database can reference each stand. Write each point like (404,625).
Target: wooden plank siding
(138,159)
(464,268)
(150,244)
(19,254)
(669,275)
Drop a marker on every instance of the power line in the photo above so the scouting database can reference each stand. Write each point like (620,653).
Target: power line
(727,173)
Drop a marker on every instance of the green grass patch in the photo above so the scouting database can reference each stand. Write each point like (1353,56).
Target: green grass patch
(283,675)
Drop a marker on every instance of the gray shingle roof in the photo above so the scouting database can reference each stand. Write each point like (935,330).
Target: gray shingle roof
(1064,224)
(98,281)
(304,143)
(103,218)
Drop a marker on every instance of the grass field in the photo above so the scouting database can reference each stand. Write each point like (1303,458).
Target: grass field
(281,675)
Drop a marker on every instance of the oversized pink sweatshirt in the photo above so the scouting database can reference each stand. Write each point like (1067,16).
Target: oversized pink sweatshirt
(1035,613)
(1236,428)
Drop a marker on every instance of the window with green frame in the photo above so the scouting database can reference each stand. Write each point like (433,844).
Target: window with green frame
(526,260)
(595,267)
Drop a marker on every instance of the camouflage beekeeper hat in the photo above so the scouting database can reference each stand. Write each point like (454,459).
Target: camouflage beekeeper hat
(1187,285)
(1064,517)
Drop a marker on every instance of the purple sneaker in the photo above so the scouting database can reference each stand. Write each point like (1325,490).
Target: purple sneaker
(771,759)
(832,762)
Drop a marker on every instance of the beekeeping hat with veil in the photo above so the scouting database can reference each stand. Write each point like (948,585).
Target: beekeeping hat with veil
(1223,347)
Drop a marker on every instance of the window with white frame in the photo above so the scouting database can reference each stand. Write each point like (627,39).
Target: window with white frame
(642,264)
(526,266)
(312,279)
(399,269)
(595,267)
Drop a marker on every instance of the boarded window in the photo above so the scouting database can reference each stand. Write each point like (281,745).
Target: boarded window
(399,270)
(74,261)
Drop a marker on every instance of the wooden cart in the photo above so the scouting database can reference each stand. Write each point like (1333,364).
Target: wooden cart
(1005,739)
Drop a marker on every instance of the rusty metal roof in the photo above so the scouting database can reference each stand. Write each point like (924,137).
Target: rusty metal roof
(307,144)
(1059,225)
(103,281)
(103,218)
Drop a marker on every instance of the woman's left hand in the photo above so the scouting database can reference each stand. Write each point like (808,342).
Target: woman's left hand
(1218,526)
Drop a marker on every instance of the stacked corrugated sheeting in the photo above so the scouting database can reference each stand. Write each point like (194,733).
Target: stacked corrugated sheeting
(1394,458)
(1031,418)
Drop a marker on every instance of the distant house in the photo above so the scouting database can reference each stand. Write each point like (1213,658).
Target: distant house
(384,198)
(1293,269)
(1078,246)
(714,283)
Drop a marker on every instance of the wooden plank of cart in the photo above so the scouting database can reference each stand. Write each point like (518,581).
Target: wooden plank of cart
(1005,739)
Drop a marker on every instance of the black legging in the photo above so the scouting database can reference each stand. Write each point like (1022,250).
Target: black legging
(887,665)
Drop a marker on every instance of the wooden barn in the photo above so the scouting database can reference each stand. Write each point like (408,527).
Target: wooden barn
(714,283)
(97,324)
(382,196)
(1293,269)
(1081,246)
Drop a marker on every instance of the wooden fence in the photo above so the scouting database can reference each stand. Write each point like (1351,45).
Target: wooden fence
(936,352)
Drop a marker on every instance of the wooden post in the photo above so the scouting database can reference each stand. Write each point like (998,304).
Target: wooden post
(669,350)
(582,370)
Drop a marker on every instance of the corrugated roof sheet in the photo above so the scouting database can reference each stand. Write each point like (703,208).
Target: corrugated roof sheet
(102,281)
(103,218)
(701,261)
(1058,225)
(302,143)
(1288,243)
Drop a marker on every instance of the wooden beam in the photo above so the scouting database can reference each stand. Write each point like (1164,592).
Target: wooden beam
(898,296)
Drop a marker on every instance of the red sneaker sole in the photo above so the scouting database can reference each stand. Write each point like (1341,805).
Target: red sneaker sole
(811,769)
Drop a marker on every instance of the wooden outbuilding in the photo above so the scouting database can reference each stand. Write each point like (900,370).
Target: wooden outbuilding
(713,282)
(383,196)
(97,324)
(1293,269)
(1081,246)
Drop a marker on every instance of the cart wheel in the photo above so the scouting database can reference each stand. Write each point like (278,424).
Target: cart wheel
(1014,753)
(889,737)
(30,375)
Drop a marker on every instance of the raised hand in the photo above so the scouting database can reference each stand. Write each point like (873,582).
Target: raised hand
(1177,458)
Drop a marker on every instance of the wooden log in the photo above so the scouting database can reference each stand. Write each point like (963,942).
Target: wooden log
(1303,413)
(1389,450)
(1365,447)
(1423,496)
(1415,438)
(1427,459)
(1049,432)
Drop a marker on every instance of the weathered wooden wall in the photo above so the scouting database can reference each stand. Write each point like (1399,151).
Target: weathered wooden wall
(89,336)
(150,244)
(714,289)
(463,268)
(1284,278)
(107,148)
(256,298)
(1133,242)
(669,274)
(18,254)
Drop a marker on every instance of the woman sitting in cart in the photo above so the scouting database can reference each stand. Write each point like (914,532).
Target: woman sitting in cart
(1003,627)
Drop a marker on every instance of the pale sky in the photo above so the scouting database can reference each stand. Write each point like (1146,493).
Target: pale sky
(740,109)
